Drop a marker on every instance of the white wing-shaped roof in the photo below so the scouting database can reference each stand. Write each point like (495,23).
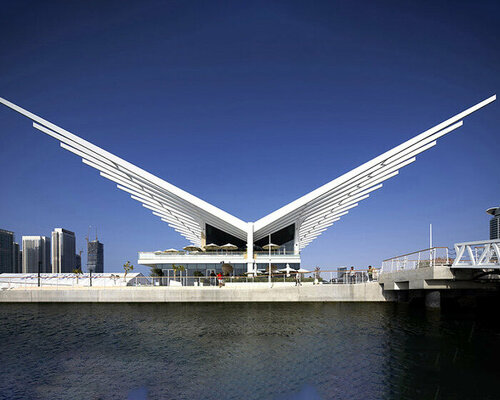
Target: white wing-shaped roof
(312,214)
(321,208)
(181,210)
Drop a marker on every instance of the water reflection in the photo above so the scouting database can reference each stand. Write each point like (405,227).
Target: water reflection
(251,351)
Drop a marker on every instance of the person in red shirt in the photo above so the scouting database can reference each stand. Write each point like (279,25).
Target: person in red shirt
(219,279)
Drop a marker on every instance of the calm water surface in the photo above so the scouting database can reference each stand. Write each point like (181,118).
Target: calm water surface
(247,351)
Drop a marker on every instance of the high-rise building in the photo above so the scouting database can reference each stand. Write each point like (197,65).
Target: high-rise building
(494,222)
(36,251)
(6,251)
(17,267)
(95,256)
(63,250)
(78,261)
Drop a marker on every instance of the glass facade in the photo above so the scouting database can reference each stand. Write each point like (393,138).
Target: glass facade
(63,251)
(36,253)
(95,256)
(16,258)
(6,251)
(495,227)
(283,238)
(220,238)
(238,268)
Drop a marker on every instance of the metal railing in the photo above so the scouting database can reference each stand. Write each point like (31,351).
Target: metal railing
(66,280)
(479,254)
(417,259)
(72,281)
(323,277)
(215,253)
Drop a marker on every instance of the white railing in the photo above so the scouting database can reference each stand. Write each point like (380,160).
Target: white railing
(211,254)
(67,280)
(183,279)
(481,254)
(417,259)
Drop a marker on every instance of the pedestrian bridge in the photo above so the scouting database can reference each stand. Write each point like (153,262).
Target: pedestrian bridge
(477,255)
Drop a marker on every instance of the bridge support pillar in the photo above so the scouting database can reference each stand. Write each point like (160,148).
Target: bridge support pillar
(433,299)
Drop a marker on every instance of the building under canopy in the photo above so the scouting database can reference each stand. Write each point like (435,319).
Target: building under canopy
(291,228)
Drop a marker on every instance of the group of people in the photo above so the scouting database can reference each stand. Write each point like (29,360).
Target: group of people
(370,273)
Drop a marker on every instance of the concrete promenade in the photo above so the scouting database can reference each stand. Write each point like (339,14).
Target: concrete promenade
(361,292)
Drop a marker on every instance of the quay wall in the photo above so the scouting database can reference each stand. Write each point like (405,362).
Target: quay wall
(361,292)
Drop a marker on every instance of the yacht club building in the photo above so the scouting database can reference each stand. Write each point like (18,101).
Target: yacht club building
(215,237)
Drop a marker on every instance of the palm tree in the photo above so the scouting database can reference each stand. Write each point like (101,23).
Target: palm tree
(127,267)
(176,268)
(77,272)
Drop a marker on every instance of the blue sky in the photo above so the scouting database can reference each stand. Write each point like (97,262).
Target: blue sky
(250,105)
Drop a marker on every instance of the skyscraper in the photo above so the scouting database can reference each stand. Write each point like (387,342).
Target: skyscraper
(95,256)
(16,259)
(494,222)
(63,250)
(6,251)
(36,249)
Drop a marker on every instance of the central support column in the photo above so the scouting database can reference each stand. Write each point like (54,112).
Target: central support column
(250,247)
(296,242)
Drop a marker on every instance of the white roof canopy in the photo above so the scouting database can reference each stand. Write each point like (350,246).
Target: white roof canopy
(312,214)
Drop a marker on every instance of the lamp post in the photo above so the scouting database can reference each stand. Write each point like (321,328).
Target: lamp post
(39,271)
(90,279)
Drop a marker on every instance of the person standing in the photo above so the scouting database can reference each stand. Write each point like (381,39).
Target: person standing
(370,273)
(219,279)
(352,275)
(297,279)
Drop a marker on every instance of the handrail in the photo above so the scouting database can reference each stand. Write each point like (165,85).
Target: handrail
(414,252)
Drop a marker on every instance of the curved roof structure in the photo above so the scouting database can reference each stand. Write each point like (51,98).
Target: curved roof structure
(493,211)
(311,214)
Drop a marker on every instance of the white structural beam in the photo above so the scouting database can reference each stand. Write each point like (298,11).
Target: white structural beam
(311,214)
(180,207)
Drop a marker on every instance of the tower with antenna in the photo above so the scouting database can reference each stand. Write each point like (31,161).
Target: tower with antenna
(95,254)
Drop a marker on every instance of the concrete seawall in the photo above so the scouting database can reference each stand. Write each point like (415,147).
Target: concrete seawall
(363,292)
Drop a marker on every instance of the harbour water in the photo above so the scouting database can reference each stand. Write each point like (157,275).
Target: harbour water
(247,351)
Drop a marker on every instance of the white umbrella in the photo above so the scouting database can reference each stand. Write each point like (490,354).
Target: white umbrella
(191,248)
(158,252)
(271,246)
(302,271)
(171,251)
(229,246)
(287,270)
(256,272)
(212,246)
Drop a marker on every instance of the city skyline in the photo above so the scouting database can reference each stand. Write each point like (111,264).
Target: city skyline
(59,255)
(231,120)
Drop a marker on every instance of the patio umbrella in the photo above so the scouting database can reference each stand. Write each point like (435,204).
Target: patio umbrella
(302,271)
(271,246)
(191,248)
(171,251)
(212,246)
(256,272)
(287,270)
(229,246)
(227,269)
(158,252)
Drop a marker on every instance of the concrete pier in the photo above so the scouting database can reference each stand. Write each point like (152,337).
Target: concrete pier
(363,292)
(433,299)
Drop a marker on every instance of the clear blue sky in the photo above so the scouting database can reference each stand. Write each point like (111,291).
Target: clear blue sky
(250,105)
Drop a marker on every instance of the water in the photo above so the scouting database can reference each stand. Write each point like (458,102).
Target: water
(247,351)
